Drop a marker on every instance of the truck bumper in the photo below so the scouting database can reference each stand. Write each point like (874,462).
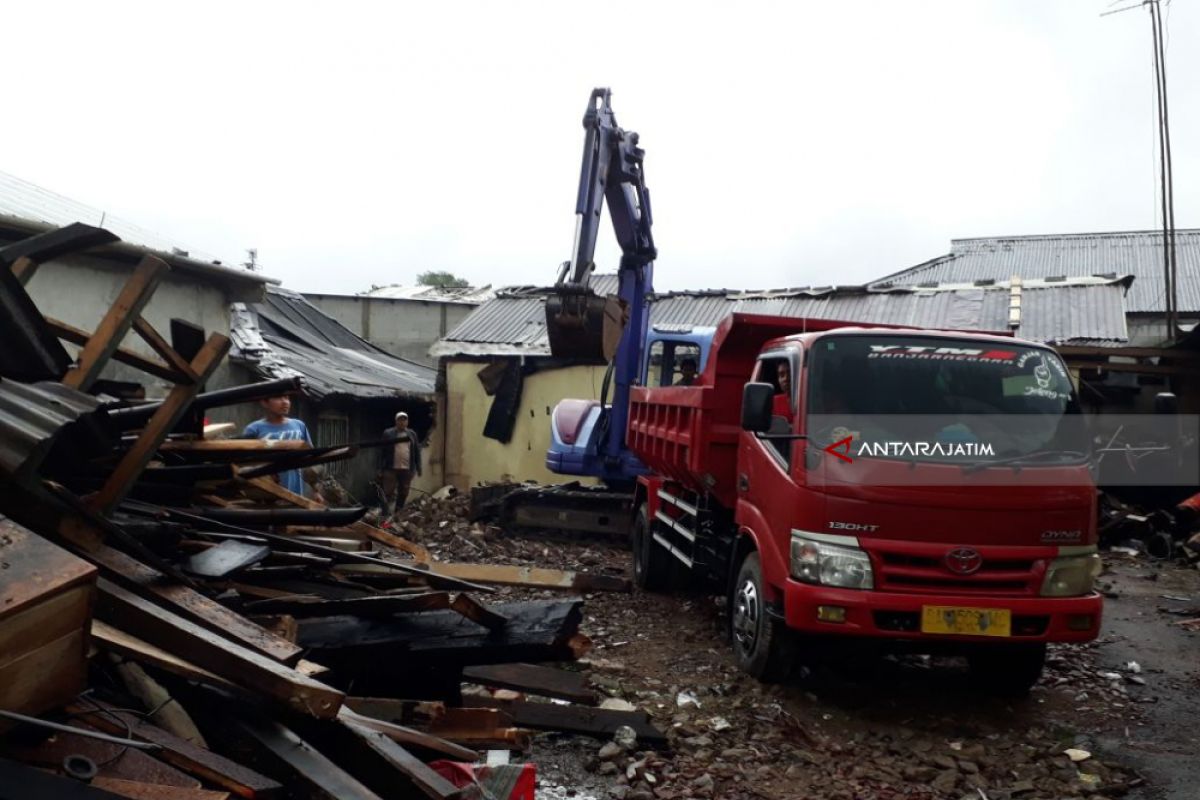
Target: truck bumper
(898,616)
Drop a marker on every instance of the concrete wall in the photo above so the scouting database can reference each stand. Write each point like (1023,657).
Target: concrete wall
(79,291)
(406,328)
(471,458)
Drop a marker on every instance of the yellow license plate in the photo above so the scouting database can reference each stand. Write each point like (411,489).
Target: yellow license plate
(966,621)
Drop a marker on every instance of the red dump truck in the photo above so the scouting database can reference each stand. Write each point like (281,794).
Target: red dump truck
(913,489)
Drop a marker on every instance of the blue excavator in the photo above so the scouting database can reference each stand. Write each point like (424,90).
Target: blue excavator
(588,436)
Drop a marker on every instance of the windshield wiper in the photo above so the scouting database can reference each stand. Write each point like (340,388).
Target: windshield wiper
(1016,461)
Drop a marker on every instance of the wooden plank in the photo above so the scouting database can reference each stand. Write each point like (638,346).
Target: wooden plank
(320,776)
(45,676)
(282,625)
(481,727)
(408,736)
(534,679)
(23,268)
(170,412)
(601,723)
(187,602)
(218,655)
(136,790)
(218,446)
(430,783)
(167,353)
(401,712)
(108,637)
(70,333)
(273,489)
(478,613)
(135,295)
(368,607)
(533,577)
(180,753)
(46,597)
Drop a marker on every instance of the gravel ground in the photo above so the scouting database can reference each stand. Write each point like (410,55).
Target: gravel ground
(891,727)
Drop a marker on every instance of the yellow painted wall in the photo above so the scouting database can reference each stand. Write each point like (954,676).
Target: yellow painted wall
(472,458)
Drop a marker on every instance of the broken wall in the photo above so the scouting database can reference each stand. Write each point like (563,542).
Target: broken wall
(471,457)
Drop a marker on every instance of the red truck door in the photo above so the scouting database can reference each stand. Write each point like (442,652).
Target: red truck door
(767,491)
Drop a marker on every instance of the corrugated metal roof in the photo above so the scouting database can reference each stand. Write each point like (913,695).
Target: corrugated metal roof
(1137,253)
(32,415)
(470,295)
(286,336)
(1053,312)
(511,323)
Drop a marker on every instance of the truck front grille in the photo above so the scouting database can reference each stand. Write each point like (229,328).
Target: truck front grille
(928,574)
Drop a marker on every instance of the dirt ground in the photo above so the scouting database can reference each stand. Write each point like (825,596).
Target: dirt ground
(910,727)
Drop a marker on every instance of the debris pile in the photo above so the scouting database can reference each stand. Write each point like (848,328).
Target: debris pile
(174,622)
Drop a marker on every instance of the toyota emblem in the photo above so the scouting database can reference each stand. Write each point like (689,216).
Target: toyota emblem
(964,560)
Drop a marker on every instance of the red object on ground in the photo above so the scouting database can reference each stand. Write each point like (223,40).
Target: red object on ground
(505,782)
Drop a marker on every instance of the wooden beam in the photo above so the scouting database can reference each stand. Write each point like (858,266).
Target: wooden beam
(408,736)
(161,346)
(601,723)
(23,268)
(534,679)
(139,790)
(533,577)
(209,651)
(321,777)
(69,333)
(187,602)
(179,753)
(430,783)
(62,241)
(134,297)
(170,412)
(383,537)
(214,447)
(378,606)
(478,613)
(115,640)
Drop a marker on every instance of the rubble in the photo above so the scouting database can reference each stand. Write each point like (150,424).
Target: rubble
(143,560)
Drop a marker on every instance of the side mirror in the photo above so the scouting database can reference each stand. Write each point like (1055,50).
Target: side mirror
(1166,403)
(757,399)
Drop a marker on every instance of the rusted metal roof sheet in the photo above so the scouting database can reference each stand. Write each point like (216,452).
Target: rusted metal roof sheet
(32,416)
(287,336)
(1136,253)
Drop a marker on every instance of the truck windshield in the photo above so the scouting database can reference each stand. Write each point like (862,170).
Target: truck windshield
(942,399)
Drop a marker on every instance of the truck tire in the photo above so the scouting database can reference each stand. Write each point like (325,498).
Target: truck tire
(1007,670)
(762,644)
(651,563)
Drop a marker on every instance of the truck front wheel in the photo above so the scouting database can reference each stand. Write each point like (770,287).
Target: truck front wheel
(1007,670)
(762,644)
(651,563)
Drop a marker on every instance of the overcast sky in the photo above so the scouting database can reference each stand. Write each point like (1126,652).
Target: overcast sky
(787,144)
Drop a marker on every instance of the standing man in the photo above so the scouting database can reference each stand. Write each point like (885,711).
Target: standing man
(277,425)
(401,461)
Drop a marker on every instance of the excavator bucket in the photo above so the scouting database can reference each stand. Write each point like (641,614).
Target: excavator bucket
(585,326)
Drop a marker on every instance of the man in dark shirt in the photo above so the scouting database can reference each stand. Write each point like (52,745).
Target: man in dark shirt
(687,372)
(401,462)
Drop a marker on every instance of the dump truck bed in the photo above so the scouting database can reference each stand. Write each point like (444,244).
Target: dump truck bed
(690,433)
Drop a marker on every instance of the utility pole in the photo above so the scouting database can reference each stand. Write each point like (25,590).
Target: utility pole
(252,262)
(1166,177)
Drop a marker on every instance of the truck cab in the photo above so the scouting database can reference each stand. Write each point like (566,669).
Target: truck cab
(926,490)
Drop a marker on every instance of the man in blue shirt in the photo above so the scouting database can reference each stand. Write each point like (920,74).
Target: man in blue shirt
(279,426)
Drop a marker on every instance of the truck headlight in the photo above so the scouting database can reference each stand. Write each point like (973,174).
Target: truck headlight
(1071,575)
(830,564)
